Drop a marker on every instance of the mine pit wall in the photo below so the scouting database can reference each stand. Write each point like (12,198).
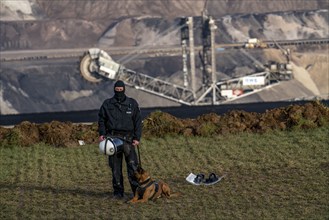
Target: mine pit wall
(307,20)
(49,29)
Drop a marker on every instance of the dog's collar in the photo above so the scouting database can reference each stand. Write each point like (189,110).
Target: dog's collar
(145,181)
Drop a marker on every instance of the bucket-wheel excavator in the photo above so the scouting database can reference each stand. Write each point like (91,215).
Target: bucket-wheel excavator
(97,65)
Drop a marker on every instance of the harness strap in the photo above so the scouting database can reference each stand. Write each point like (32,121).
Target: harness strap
(156,190)
(141,190)
(144,187)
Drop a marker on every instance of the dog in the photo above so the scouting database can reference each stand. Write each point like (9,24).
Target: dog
(149,189)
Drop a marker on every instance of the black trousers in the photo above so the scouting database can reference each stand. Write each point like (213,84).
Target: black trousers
(115,163)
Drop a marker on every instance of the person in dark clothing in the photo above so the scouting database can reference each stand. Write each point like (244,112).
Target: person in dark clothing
(120,117)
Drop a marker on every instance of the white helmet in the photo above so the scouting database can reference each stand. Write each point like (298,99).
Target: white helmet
(110,146)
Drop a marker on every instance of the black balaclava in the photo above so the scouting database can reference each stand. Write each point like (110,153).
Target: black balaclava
(120,96)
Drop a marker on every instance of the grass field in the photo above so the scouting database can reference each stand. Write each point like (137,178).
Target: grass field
(276,175)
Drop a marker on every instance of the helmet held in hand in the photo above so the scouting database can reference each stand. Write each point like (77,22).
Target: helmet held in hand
(110,146)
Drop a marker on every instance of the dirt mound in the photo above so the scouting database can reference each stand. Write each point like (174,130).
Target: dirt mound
(55,133)
(159,124)
(310,115)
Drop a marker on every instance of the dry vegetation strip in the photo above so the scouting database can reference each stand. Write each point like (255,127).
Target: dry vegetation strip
(274,175)
(158,124)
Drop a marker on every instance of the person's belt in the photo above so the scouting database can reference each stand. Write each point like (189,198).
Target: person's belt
(113,132)
(125,135)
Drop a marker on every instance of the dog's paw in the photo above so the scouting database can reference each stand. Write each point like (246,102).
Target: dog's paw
(132,201)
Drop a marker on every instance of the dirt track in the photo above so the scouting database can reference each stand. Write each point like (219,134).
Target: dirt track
(159,124)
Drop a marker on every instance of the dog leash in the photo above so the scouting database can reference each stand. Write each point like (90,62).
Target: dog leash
(139,157)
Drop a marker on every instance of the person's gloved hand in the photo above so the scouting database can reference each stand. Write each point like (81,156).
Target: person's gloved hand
(101,138)
(135,143)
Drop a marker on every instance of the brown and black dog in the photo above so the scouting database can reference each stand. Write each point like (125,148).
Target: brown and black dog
(149,189)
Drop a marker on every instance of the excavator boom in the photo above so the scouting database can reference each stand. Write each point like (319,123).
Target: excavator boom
(97,64)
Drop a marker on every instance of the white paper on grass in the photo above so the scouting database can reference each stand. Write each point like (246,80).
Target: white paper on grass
(190,178)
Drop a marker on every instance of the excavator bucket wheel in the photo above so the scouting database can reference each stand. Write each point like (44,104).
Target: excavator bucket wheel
(87,64)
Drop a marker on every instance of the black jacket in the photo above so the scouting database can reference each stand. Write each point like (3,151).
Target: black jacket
(120,117)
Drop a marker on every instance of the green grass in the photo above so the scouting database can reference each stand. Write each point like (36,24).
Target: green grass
(276,175)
